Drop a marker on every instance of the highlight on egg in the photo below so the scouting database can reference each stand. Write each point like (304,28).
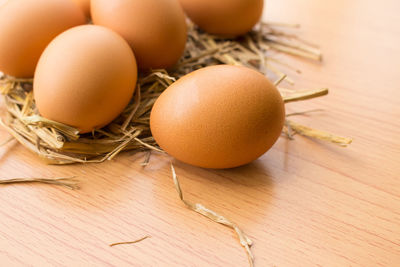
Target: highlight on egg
(85,78)
(27,27)
(218,117)
(155,29)
(228,18)
(2,2)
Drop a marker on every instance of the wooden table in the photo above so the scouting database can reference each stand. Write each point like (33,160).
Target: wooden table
(304,203)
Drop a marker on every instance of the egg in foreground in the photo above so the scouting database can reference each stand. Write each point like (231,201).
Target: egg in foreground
(227,18)
(155,29)
(218,117)
(27,27)
(85,78)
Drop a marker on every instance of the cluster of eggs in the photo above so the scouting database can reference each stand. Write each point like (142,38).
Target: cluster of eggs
(85,74)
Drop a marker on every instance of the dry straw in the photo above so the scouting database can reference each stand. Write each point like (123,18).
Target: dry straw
(61,144)
(68,182)
(244,240)
(130,242)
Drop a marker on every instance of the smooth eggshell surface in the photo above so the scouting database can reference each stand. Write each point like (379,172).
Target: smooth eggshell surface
(224,17)
(85,77)
(27,27)
(155,29)
(218,117)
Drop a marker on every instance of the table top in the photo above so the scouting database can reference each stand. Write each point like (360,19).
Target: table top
(303,203)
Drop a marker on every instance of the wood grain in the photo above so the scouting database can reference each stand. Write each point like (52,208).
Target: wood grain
(304,203)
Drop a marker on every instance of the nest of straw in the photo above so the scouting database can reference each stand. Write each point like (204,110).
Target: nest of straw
(61,144)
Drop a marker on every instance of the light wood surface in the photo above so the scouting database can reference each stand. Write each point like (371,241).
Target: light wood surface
(304,203)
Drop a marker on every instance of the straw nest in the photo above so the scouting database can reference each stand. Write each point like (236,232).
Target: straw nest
(61,144)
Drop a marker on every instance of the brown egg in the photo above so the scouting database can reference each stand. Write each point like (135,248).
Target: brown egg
(224,17)
(218,117)
(84,5)
(85,77)
(155,29)
(27,27)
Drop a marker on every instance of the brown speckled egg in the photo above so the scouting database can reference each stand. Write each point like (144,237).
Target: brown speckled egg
(224,17)
(218,117)
(84,5)
(155,29)
(85,77)
(27,27)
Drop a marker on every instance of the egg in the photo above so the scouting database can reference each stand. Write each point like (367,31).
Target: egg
(224,17)
(155,29)
(84,5)
(85,78)
(27,27)
(218,117)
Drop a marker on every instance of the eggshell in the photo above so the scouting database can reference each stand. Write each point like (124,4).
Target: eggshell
(155,29)
(224,17)
(84,5)
(218,117)
(27,27)
(85,77)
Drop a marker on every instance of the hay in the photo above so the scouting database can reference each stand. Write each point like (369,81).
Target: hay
(130,242)
(244,240)
(68,182)
(61,144)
